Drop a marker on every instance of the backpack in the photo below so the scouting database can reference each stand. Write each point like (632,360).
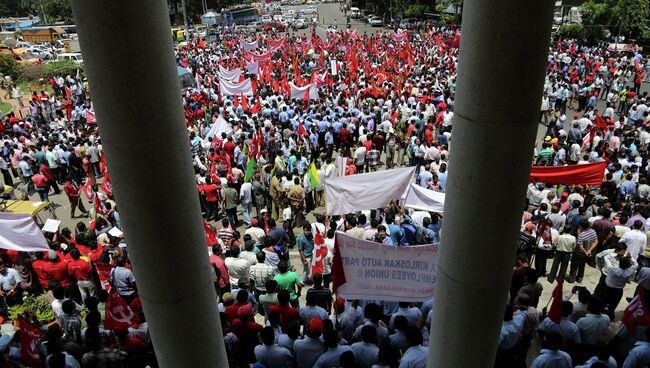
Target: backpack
(422,237)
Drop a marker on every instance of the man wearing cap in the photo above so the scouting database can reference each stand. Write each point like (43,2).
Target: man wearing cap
(310,347)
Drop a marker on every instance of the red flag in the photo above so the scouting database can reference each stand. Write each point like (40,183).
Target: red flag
(119,315)
(88,190)
(214,175)
(102,165)
(210,234)
(587,174)
(235,102)
(90,117)
(600,123)
(99,206)
(244,103)
(104,273)
(257,107)
(107,187)
(338,274)
(68,92)
(302,131)
(636,312)
(201,43)
(555,313)
(320,252)
(29,337)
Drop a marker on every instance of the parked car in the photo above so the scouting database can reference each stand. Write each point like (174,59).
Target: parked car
(299,24)
(310,10)
(74,56)
(376,22)
(355,13)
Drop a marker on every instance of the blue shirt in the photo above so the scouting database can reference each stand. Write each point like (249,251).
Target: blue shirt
(639,356)
(306,245)
(552,359)
(424,178)
(286,342)
(442,177)
(330,358)
(274,356)
(415,357)
(395,233)
(398,340)
(307,351)
(365,353)
(412,314)
(308,312)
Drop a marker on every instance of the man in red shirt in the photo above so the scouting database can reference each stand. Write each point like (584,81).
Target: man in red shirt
(212,194)
(42,186)
(222,282)
(71,189)
(81,271)
(287,312)
(57,270)
(96,251)
(39,266)
(51,180)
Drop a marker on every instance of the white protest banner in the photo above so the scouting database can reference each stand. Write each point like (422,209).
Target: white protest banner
(346,194)
(419,198)
(333,66)
(20,232)
(299,93)
(248,46)
(235,89)
(219,126)
(230,75)
(253,67)
(373,271)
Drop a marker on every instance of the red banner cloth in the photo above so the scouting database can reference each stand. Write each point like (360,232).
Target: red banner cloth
(555,313)
(587,174)
(29,337)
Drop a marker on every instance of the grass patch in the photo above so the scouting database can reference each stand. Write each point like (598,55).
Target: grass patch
(5,107)
(26,87)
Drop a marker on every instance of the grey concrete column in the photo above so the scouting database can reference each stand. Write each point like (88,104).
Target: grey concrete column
(503,56)
(129,60)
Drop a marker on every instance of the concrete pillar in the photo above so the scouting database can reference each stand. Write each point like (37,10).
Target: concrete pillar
(129,60)
(503,56)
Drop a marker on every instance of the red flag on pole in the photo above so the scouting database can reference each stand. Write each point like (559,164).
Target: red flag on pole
(210,234)
(302,131)
(555,313)
(90,117)
(104,273)
(244,103)
(119,315)
(88,190)
(235,102)
(107,187)
(636,312)
(600,123)
(29,337)
(257,107)
(320,252)
(338,273)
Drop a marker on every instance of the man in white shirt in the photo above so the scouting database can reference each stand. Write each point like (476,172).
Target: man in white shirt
(635,240)
(238,268)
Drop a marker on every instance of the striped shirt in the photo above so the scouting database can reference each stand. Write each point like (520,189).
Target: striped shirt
(373,157)
(586,239)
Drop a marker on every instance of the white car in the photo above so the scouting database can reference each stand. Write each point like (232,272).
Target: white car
(310,10)
(376,22)
(299,24)
(266,19)
(74,56)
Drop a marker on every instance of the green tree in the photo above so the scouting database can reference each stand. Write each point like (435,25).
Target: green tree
(632,15)
(451,11)
(595,19)
(9,66)
(52,10)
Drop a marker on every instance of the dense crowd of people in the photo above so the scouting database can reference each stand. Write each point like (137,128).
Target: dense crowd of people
(384,100)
